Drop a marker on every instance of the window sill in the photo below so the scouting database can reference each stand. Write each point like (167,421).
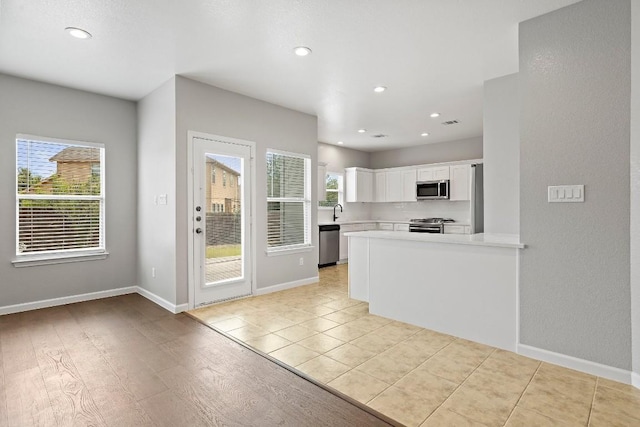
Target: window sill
(326,208)
(287,251)
(35,260)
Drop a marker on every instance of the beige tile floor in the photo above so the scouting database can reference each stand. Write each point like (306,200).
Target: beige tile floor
(413,375)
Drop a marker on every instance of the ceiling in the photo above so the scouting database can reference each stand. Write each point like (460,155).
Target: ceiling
(432,55)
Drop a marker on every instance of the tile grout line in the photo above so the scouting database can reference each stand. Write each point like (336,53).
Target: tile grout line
(457,388)
(593,401)
(523,392)
(546,415)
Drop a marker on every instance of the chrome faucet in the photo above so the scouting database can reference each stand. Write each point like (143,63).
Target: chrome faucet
(334,211)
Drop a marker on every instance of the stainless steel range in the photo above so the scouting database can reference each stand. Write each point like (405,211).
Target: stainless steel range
(429,225)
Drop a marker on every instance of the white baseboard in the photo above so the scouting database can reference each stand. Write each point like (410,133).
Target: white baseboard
(288,285)
(593,368)
(27,306)
(635,380)
(175,309)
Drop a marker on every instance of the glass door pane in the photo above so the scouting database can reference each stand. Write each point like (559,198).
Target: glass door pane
(224,219)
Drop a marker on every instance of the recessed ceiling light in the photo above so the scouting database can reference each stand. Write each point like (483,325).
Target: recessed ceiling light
(78,33)
(379,89)
(434,115)
(424,134)
(362,130)
(340,142)
(302,51)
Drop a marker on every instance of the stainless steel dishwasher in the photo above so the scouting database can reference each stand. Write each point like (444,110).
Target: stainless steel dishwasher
(329,244)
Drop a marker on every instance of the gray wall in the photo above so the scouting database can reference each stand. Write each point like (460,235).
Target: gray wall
(156,172)
(635,185)
(574,118)
(337,159)
(464,149)
(52,111)
(501,149)
(204,108)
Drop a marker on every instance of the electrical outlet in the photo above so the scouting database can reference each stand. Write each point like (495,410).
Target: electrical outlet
(301,261)
(153,272)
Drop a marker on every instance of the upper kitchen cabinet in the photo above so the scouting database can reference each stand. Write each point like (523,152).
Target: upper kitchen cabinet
(380,186)
(401,185)
(435,173)
(409,185)
(359,185)
(460,185)
(393,187)
(322,181)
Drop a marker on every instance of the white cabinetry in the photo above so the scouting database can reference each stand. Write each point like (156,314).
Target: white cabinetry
(435,173)
(322,181)
(409,185)
(394,186)
(380,190)
(400,185)
(460,185)
(359,185)
(456,229)
(344,241)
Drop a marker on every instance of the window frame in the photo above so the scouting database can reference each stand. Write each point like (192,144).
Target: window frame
(305,200)
(64,255)
(340,190)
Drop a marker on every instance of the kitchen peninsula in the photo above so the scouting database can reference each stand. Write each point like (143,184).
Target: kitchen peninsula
(463,285)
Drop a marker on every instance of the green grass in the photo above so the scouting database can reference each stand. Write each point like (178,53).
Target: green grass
(223,251)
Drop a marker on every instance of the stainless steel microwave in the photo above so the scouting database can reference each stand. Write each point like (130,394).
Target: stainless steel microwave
(432,190)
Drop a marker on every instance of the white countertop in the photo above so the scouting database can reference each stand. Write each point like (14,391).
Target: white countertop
(481,239)
(365,221)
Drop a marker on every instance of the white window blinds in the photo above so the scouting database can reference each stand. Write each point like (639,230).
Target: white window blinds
(59,196)
(288,200)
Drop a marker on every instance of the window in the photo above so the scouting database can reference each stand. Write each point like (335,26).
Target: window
(213,174)
(335,190)
(59,197)
(288,200)
(224,178)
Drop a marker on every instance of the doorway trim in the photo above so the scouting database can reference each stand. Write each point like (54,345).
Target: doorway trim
(191,135)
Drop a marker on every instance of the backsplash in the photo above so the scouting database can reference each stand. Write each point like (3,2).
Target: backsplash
(352,212)
(459,211)
(399,211)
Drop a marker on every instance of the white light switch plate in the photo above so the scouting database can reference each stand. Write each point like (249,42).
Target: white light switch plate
(162,199)
(565,193)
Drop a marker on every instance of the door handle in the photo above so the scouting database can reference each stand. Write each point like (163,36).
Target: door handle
(198,230)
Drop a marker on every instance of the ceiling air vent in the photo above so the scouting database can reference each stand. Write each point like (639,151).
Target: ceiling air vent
(450,122)
(380,135)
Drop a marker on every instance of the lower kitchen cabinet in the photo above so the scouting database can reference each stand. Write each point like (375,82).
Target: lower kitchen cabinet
(456,229)
(344,241)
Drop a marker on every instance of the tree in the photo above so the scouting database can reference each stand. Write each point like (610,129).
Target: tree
(26,180)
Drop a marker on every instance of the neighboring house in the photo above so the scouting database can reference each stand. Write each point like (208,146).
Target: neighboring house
(77,164)
(223,191)
(73,165)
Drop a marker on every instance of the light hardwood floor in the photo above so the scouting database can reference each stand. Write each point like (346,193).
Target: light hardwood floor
(413,375)
(124,361)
